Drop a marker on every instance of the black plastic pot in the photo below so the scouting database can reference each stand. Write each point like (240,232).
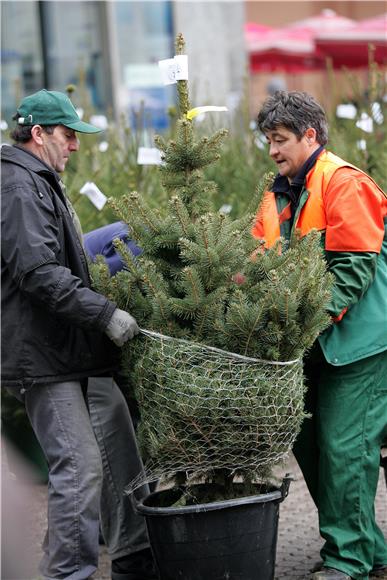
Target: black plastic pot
(234,539)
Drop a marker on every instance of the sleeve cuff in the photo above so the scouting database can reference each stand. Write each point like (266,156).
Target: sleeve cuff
(339,316)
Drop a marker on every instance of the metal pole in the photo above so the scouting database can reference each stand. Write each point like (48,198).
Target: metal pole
(42,13)
(113,58)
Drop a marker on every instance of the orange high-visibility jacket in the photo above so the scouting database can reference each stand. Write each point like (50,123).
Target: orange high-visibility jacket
(351,210)
(344,217)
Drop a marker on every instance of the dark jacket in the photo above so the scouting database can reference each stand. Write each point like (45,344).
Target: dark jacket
(52,322)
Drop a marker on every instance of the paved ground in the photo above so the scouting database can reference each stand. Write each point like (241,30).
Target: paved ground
(298,539)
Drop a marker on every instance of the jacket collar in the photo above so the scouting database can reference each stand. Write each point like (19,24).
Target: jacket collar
(281,183)
(18,154)
(34,165)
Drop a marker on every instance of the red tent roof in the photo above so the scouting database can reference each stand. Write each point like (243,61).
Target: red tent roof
(283,39)
(305,44)
(370,30)
(273,49)
(326,20)
(351,47)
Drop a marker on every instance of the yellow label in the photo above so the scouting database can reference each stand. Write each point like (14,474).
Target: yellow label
(199,110)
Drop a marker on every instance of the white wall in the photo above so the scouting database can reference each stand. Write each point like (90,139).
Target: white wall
(213,32)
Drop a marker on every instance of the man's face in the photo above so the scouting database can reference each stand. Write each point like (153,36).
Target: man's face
(288,151)
(57,147)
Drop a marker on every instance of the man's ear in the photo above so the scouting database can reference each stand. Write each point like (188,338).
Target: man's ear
(310,135)
(36,134)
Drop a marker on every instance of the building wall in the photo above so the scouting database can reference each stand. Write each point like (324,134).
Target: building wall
(52,44)
(214,36)
(110,51)
(282,12)
(328,87)
(21,53)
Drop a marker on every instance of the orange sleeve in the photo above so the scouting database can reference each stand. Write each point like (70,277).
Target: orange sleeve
(257,229)
(355,208)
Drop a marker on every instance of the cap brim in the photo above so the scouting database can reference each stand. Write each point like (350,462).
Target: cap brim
(82,127)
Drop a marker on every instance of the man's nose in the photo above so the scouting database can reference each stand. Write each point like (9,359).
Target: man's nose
(273,150)
(74,145)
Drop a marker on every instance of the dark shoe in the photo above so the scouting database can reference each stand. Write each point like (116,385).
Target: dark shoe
(317,566)
(137,566)
(379,571)
(330,574)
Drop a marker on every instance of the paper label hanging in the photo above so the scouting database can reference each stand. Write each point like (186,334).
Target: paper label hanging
(346,111)
(148,156)
(181,61)
(365,123)
(95,195)
(168,71)
(200,110)
(174,69)
(225,209)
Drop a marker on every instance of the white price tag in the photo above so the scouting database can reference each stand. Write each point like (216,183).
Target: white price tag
(174,69)
(148,156)
(168,71)
(346,111)
(95,195)
(226,208)
(365,123)
(181,61)
(377,113)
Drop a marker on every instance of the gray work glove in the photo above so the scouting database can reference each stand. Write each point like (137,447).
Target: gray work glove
(122,327)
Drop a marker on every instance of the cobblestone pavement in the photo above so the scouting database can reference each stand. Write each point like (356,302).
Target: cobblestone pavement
(298,538)
(299,541)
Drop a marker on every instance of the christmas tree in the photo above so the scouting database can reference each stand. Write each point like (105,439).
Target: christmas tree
(210,406)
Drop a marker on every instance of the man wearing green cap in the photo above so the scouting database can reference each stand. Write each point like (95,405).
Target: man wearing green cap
(58,332)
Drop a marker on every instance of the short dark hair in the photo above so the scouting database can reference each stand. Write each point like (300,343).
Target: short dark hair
(296,111)
(22,133)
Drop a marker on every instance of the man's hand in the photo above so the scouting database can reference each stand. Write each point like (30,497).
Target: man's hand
(122,327)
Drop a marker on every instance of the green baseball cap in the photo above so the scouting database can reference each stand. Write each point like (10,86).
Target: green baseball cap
(51,108)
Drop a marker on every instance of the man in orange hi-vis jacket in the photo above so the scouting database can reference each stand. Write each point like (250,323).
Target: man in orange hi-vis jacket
(338,449)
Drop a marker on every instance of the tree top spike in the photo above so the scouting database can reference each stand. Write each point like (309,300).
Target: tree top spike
(180,43)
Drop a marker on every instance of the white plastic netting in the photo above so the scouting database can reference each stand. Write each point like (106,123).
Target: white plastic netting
(205,409)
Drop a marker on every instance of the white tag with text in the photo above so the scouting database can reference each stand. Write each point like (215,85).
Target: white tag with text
(95,195)
(168,71)
(181,61)
(174,69)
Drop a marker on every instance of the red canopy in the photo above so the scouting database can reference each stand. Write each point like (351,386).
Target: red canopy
(350,47)
(326,20)
(273,49)
(305,44)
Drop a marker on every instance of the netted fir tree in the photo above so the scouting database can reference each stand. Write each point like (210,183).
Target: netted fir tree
(203,278)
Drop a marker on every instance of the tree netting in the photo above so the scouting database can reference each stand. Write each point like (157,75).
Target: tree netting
(205,409)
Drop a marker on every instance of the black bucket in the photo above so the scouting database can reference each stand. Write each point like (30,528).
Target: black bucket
(234,539)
